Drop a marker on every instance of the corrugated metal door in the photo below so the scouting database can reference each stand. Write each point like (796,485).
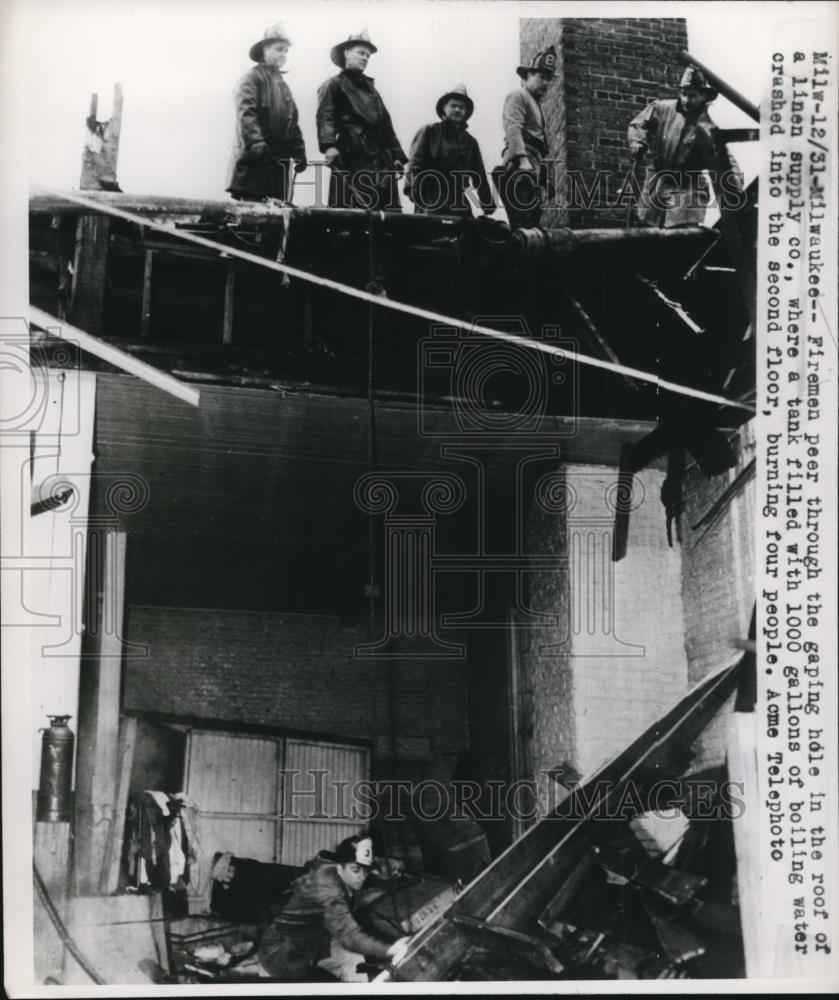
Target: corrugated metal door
(272,799)
(233,781)
(320,804)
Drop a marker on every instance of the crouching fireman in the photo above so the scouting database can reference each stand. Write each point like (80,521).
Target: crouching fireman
(317,929)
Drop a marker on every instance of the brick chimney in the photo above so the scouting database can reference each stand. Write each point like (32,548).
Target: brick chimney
(608,69)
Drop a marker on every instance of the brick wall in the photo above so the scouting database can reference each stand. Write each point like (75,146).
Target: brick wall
(627,637)
(633,637)
(296,672)
(615,660)
(547,680)
(608,70)
(717,582)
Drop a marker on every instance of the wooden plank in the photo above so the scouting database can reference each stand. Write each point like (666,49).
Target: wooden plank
(626,478)
(98,733)
(229,287)
(678,941)
(158,930)
(114,934)
(535,951)
(692,271)
(51,855)
(90,264)
(113,355)
(595,339)
(719,507)
(676,308)
(430,911)
(675,886)
(742,255)
(99,160)
(583,867)
(633,458)
(101,150)
(113,846)
(110,674)
(127,247)
(145,309)
(252,214)
(516,887)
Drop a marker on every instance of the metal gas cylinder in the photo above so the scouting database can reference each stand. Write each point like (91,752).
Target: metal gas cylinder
(56,771)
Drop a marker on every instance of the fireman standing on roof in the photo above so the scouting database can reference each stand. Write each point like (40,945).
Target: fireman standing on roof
(356,135)
(268,136)
(682,142)
(524,180)
(446,160)
(317,927)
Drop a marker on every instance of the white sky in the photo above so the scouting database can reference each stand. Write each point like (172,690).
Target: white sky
(178,61)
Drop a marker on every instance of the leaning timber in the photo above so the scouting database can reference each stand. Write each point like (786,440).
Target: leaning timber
(504,904)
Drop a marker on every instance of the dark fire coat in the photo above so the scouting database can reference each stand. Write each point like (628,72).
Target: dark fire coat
(680,148)
(352,117)
(320,909)
(265,112)
(449,151)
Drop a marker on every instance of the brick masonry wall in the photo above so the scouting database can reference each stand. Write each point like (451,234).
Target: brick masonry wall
(628,640)
(608,70)
(550,732)
(296,672)
(717,582)
(615,660)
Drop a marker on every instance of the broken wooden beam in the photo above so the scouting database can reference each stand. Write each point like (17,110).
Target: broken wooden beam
(724,501)
(109,877)
(678,942)
(145,306)
(633,458)
(259,214)
(515,889)
(101,150)
(87,294)
(740,134)
(557,242)
(566,892)
(534,950)
(672,884)
(113,355)
(598,342)
(99,701)
(50,502)
(229,288)
(229,212)
(674,307)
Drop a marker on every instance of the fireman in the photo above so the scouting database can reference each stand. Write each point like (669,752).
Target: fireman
(268,138)
(682,142)
(524,179)
(356,135)
(446,160)
(317,926)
